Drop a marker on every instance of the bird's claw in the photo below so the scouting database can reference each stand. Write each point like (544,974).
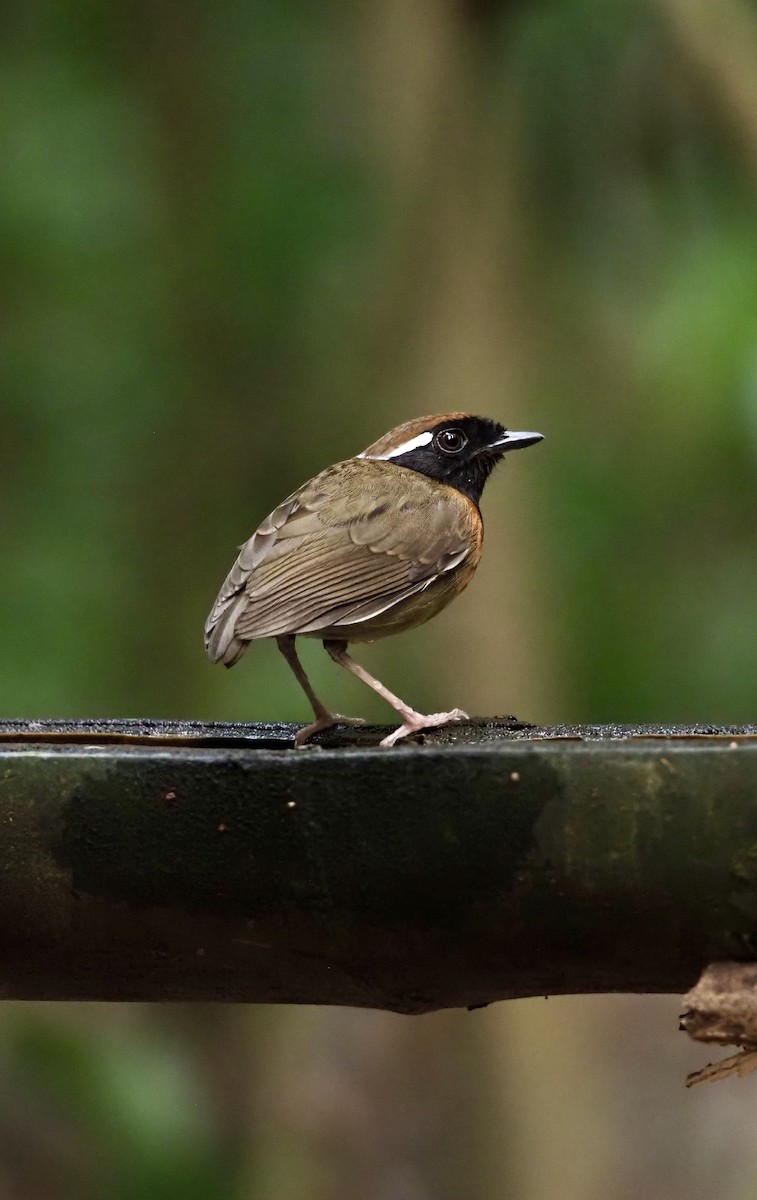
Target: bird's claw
(415,722)
(326,721)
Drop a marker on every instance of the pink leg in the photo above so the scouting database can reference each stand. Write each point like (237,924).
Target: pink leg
(323,718)
(413,721)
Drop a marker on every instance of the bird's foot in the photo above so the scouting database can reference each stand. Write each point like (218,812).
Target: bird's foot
(326,720)
(415,722)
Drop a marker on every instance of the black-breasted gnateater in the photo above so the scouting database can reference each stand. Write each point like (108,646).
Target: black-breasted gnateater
(372,546)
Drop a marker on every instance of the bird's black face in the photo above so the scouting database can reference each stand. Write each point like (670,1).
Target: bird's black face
(461,452)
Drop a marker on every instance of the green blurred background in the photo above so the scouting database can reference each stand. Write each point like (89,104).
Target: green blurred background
(242,240)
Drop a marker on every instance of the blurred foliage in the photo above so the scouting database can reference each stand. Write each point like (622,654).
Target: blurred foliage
(242,240)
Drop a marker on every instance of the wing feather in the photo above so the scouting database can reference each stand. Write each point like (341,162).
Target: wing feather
(328,555)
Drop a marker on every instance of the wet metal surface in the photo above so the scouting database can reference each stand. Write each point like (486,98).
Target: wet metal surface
(483,731)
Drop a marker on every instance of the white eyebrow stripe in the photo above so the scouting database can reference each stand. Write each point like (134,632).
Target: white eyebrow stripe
(415,443)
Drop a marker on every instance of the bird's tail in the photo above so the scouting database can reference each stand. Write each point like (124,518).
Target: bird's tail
(221,642)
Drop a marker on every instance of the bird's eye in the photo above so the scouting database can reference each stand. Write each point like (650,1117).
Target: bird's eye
(451,441)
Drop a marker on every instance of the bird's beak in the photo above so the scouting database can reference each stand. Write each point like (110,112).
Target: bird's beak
(515,441)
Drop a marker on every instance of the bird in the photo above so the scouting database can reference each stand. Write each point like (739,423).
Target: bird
(372,546)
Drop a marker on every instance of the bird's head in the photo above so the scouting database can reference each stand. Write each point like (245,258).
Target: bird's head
(455,448)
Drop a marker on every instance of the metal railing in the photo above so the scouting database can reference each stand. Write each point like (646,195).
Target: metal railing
(159,860)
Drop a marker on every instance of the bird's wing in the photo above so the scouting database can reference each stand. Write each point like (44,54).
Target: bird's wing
(351,543)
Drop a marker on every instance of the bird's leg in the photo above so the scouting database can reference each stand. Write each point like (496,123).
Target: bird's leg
(323,718)
(413,721)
